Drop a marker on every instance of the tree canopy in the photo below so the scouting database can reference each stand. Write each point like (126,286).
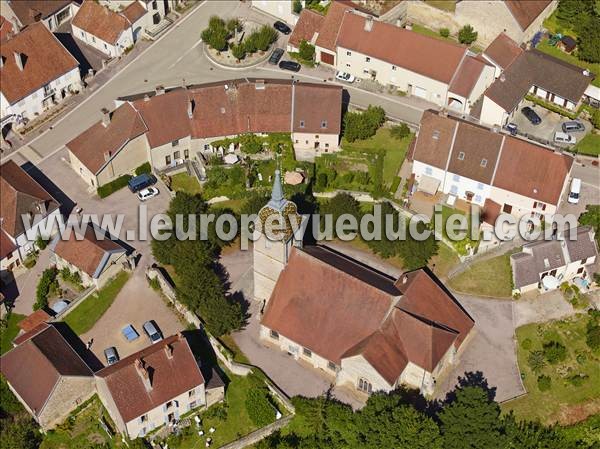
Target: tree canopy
(362,125)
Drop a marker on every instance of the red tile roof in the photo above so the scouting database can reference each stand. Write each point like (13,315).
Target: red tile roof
(331,25)
(100,21)
(171,376)
(45,59)
(317,105)
(31,11)
(96,143)
(21,194)
(134,12)
(309,23)
(467,76)
(34,367)
(491,211)
(33,320)
(6,245)
(503,51)
(525,12)
(6,28)
(427,56)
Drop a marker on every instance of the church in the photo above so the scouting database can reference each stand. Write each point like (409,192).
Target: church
(360,326)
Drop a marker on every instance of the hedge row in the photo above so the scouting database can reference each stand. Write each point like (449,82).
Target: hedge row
(113,186)
(144,168)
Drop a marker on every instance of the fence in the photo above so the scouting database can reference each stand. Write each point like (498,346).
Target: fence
(73,304)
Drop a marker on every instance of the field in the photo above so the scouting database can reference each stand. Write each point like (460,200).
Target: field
(491,277)
(566,401)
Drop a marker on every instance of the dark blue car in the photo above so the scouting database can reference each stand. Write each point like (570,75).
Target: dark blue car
(531,115)
(140,182)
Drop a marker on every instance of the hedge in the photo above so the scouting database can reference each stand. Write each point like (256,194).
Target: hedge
(113,186)
(144,168)
(551,106)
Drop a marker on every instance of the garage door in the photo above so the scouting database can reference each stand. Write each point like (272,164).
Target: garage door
(419,92)
(327,58)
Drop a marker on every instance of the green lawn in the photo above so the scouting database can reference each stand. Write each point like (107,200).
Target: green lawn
(557,53)
(491,277)
(10,332)
(563,402)
(589,145)
(461,246)
(185,183)
(444,5)
(85,315)
(431,33)
(443,261)
(552,25)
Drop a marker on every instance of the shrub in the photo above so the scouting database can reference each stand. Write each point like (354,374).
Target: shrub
(536,361)
(46,284)
(554,352)
(306,51)
(400,131)
(544,383)
(362,125)
(41,242)
(154,284)
(467,35)
(113,186)
(72,277)
(592,337)
(234,25)
(259,408)
(526,344)
(577,379)
(297,6)
(238,51)
(322,181)
(444,32)
(30,260)
(250,44)
(265,36)
(251,143)
(595,118)
(144,168)
(216,35)
(218,411)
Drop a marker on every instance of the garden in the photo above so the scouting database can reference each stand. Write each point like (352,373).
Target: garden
(559,363)
(57,285)
(9,329)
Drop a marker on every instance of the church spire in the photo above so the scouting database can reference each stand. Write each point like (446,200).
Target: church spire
(277,200)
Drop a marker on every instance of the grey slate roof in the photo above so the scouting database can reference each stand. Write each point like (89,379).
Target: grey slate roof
(536,258)
(584,246)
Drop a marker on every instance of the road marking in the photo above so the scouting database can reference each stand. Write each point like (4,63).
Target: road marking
(185,54)
(110,80)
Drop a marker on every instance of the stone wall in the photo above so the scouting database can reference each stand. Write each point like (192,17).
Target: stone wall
(258,435)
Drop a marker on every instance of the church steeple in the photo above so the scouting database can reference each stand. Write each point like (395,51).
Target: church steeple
(277,200)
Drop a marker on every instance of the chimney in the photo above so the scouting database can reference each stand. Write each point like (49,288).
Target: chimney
(190,108)
(105,117)
(20,60)
(146,97)
(502,78)
(142,371)
(404,279)
(369,23)
(159,90)
(41,206)
(169,351)
(259,84)
(2,61)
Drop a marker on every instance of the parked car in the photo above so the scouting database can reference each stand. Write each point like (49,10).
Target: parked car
(345,76)
(289,65)
(574,191)
(512,128)
(573,126)
(564,138)
(140,182)
(282,27)
(276,56)
(531,115)
(111,355)
(148,193)
(152,331)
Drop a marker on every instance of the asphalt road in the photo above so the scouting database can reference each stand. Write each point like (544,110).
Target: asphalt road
(176,56)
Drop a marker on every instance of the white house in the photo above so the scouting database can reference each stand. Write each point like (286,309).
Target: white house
(281,9)
(37,73)
(22,13)
(157,9)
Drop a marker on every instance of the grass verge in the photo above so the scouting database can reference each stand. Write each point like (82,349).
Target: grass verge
(9,332)
(182,182)
(589,145)
(491,277)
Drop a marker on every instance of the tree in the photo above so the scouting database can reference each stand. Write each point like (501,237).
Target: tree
(254,203)
(265,36)
(41,243)
(234,25)
(591,217)
(306,51)
(417,253)
(554,352)
(471,420)
(46,285)
(238,52)
(362,125)
(259,408)
(467,35)
(544,383)
(532,435)
(595,118)
(572,12)
(297,6)
(536,361)
(386,247)
(22,434)
(444,32)
(251,143)
(588,41)
(592,337)
(400,131)
(342,203)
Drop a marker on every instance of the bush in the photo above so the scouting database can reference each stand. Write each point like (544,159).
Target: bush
(467,35)
(526,344)
(544,383)
(362,125)
(444,32)
(554,352)
(144,168)
(297,6)
(259,408)
(41,242)
(592,337)
(306,51)
(251,143)
(577,379)
(234,25)
(46,285)
(400,131)
(217,411)
(266,35)
(113,186)
(595,118)
(536,361)
(73,277)
(217,34)
(238,51)
(30,260)
(321,181)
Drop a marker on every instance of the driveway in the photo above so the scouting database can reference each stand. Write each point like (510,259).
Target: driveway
(22,289)
(490,349)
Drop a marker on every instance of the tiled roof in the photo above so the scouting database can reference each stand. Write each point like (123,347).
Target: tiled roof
(21,194)
(309,23)
(6,244)
(134,12)
(100,21)
(503,51)
(171,375)
(33,320)
(584,246)
(94,145)
(491,211)
(535,259)
(319,107)
(339,308)
(331,25)
(34,367)
(525,12)
(43,57)
(88,252)
(427,56)
(467,76)
(6,28)
(31,11)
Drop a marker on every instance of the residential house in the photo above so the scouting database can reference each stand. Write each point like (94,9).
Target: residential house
(502,52)
(22,13)
(95,255)
(476,164)
(168,126)
(110,32)
(307,29)
(361,327)
(157,9)
(540,75)
(21,195)
(37,73)
(570,258)
(155,386)
(519,19)
(47,376)
(6,28)
(281,9)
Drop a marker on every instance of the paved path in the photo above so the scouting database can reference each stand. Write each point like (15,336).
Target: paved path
(26,285)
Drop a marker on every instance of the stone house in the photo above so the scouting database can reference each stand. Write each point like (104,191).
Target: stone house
(47,375)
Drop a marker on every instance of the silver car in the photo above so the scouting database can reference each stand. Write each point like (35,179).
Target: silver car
(152,332)
(111,355)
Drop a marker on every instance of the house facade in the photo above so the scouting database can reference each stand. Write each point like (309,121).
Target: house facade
(37,74)
(138,131)
(281,9)
(478,164)
(157,9)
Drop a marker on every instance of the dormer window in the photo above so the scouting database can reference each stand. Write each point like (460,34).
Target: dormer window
(367,59)
(301,123)
(461,156)
(436,135)
(484,163)
(324,124)
(546,263)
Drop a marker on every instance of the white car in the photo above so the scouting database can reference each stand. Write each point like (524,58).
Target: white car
(344,76)
(564,138)
(147,193)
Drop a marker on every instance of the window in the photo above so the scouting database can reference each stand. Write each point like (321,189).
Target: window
(105,47)
(461,156)
(297,140)
(206,147)
(479,186)
(81,170)
(168,160)
(348,53)
(393,67)
(169,404)
(323,123)
(332,366)
(193,404)
(177,154)
(478,198)
(301,123)
(326,145)
(456,178)
(436,135)
(454,189)
(580,270)
(367,59)
(365,385)
(144,418)
(186,154)
(483,163)
(175,143)
(307,352)
(93,39)
(191,393)
(428,171)
(82,34)
(366,71)
(154,5)
(274,335)
(306,142)
(348,65)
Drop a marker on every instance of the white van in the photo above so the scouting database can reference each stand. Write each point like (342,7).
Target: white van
(575,190)
(564,138)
